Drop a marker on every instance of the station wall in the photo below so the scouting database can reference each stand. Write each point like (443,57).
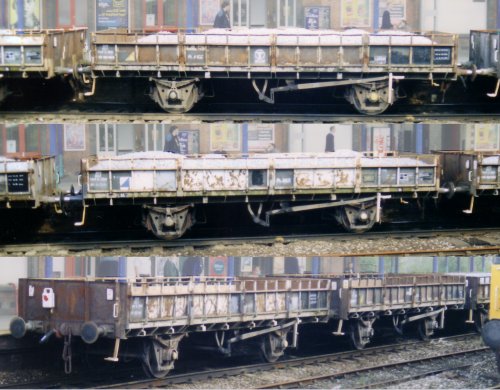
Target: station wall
(199,14)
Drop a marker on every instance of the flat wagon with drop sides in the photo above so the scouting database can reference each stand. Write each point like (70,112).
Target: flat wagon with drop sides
(152,315)
(38,55)
(170,187)
(373,70)
(147,318)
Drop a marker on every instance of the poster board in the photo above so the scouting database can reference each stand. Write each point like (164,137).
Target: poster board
(74,138)
(317,18)
(225,138)
(208,11)
(260,137)
(111,14)
(485,137)
(396,8)
(355,13)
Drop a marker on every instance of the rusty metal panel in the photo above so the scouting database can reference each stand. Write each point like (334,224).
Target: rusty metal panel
(28,180)
(239,56)
(225,180)
(75,302)
(44,51)
(310,56)
(169,55)
(216,55)
(267,49)
(147,55)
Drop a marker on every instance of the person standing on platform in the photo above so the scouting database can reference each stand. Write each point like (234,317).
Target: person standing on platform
(386,21)
(172,144)
(222,18)
(330,140)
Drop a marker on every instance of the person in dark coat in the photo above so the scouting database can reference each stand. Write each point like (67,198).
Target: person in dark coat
(330,140)
(386,21)
(222,18)
(172,144)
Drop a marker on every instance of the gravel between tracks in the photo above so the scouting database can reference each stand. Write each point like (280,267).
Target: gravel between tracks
(327,247)
(482,373)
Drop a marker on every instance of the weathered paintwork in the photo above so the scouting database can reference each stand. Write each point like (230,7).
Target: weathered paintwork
(471,171)
(214,52)
(393,292)
(41,52)
(127,308)
(32,181)
(156,174)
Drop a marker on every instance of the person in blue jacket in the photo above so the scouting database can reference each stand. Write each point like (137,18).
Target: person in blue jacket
(222,17)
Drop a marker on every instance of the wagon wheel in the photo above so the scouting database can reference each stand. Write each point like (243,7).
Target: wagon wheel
(425,329)
(359,340)
(480,318)
(272,347)
(187,106)
(157,361)
(359,97)
(191,92)
(343,220)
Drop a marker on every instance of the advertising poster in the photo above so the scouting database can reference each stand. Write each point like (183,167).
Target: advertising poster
(218,266)
(31,11)
(397,9)
(317,18)
(208,10)
(356,13)
(246,265)
(260,137)
(189,141)
(485,137)
(225,138)
(381,139)
(74,138)
(111,14)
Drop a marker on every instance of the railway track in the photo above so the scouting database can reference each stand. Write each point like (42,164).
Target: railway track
(123,377)
(202,377)
(380,367)
(455,242)
(113,113)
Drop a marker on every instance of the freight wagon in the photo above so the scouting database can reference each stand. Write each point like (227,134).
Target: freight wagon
(152,315)
(31,57)
(170,187)
(369,68)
